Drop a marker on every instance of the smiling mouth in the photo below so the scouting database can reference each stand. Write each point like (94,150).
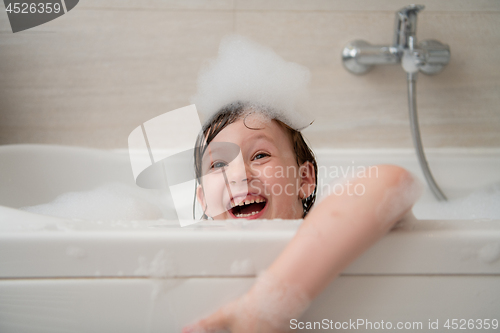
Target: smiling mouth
(248,207)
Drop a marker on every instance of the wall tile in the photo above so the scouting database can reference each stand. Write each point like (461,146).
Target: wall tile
(90,77)
(158,4)
(67,85)
(365,5)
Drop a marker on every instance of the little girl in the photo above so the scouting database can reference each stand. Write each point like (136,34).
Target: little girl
(273,174)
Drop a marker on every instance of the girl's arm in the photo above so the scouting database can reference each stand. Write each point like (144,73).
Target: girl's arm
(334,233)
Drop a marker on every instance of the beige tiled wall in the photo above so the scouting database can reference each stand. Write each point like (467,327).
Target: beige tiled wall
(93,75)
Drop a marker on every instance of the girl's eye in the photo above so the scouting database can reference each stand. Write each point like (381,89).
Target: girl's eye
(260,155)
(218,164)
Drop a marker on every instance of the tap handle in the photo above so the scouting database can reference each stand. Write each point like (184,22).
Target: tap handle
(406,11)
(406,26)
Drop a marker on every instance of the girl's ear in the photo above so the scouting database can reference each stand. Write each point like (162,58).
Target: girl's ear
(201,197)
(307,180)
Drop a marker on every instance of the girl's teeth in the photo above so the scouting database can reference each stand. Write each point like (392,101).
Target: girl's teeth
(245,215)
(247,202)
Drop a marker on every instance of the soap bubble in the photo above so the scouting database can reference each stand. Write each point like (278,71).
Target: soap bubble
(480,204)
(247,72)
(112,201)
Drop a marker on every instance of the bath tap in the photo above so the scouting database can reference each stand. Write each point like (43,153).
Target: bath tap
(406,25)
(428,57)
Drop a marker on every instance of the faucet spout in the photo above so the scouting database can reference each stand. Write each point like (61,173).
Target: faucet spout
(405,27)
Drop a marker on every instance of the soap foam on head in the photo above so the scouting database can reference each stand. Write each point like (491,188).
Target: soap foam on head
(247,72)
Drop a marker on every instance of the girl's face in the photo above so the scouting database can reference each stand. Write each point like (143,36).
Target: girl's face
(260,180)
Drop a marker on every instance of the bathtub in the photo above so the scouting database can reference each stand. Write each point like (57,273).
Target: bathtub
(69,275)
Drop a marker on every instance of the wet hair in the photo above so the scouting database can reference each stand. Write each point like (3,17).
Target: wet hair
(230,114)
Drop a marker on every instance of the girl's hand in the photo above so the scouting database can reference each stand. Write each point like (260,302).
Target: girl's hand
(266,308)
(233,318)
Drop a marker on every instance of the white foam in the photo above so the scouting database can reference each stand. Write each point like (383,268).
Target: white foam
(113,201)
(489,253)
(161,266)
(75,252)
(480,204)
(243,267)
(248,72)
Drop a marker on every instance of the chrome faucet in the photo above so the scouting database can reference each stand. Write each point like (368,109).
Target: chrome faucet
(428,57)
(406,25)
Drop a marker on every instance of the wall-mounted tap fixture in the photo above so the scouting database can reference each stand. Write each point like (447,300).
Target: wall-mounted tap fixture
(428,57)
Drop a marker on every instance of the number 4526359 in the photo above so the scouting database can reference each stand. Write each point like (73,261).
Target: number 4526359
(463,324)
(32,8)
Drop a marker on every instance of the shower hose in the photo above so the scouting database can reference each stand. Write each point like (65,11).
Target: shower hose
(415,131)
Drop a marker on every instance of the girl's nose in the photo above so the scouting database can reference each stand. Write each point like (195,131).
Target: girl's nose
(233,182)
(238,172)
